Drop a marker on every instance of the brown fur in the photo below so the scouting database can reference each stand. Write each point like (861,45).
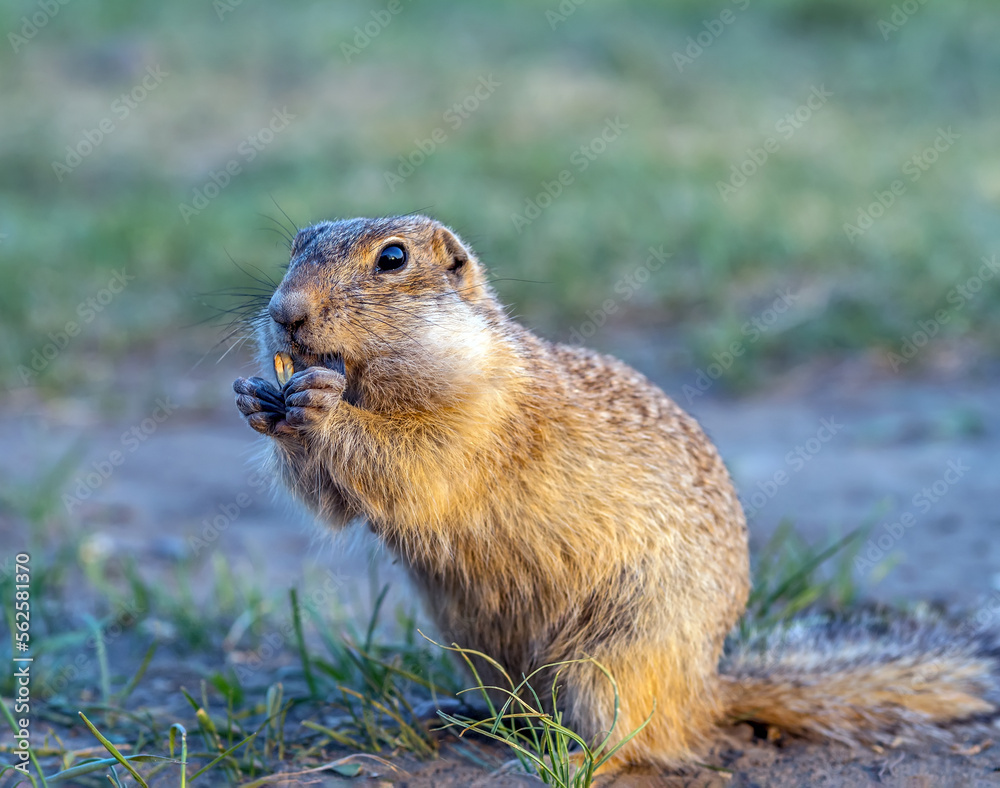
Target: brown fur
(867,680)
(549,502)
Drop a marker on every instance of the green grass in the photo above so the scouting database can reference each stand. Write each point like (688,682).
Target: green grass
(534,730)
(236,729)
(656,185)
(231,728)
(791,575)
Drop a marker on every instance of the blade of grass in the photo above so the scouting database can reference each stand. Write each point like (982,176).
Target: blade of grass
(174,730)
(113,777)
(4,768)
(420,742)
(337,736)
(122,695)
(222,756)
(806,568)
(374,619)
(94,766)
(113,750)
(273,705)
(301,642)
(514,745)
(210,732)
(401,672)
(102,663)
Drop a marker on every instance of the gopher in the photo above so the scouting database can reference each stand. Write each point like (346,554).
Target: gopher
(551,503)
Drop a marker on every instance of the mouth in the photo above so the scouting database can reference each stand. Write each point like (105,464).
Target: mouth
(303,358)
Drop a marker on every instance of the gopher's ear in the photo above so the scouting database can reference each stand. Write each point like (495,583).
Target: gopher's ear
(456,257)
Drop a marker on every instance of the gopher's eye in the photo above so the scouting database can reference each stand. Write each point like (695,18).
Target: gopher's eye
(391,258)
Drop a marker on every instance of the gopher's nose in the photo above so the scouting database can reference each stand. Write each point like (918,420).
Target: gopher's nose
(288,309)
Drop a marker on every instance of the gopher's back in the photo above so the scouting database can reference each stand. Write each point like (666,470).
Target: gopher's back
(668,496)
(661,454)
(614,532)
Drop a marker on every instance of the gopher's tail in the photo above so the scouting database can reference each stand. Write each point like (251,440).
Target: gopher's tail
(870,680)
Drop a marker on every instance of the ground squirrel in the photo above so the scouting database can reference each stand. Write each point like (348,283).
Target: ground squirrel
(551,502)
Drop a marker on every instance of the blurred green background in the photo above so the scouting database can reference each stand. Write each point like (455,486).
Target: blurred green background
(896,74)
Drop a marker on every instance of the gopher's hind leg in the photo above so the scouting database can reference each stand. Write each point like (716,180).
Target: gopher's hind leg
(680,702)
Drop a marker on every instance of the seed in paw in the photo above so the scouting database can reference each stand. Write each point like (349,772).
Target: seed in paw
(284,368)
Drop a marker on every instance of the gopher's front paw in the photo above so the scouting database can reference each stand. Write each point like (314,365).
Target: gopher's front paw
(262,405)
(311,394)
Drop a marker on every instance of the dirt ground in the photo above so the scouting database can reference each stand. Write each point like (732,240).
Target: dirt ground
(740,762)
(850,444)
